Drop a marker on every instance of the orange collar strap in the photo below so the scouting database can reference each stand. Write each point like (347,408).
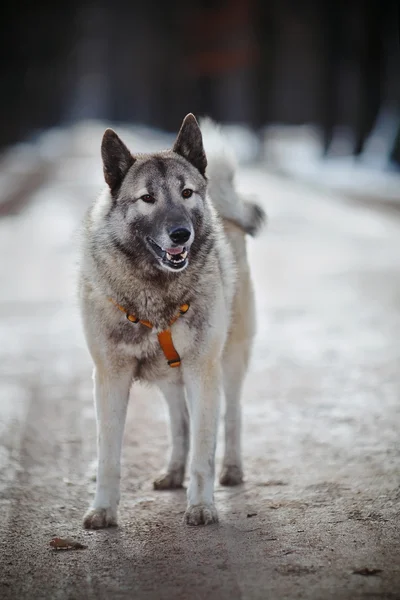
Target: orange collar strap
(164,337)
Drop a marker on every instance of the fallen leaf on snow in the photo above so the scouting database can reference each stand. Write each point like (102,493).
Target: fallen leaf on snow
(366,571)
(66,544)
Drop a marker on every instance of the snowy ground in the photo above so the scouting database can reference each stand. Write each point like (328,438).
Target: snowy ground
(297,152)
(321,412)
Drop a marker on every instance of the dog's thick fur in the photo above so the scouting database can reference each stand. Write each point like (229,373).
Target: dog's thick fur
(126,235)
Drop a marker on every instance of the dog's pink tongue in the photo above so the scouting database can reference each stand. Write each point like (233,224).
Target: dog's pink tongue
(177,250)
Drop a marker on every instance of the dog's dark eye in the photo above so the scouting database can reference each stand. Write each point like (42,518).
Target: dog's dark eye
(187,193)
(147,198)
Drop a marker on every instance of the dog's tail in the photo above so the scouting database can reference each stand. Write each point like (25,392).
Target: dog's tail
(221,168)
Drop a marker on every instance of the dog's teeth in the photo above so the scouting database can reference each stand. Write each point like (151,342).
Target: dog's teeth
(176,258)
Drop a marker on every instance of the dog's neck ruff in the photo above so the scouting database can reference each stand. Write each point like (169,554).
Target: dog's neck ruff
(164,337)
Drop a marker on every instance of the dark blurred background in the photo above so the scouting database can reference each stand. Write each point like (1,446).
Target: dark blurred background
(330,63)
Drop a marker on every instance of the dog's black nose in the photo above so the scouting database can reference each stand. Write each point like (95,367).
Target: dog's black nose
(179,235)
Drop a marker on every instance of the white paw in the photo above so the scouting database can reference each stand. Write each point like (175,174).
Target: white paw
(201,514)
(99,518)
(231,475)
(170,480)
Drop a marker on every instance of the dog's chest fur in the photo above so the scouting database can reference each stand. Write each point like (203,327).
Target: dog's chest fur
(137,343)
(124,342)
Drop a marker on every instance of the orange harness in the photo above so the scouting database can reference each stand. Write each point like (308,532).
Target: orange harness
(164,337)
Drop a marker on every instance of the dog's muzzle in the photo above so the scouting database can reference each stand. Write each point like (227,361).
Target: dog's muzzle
(175,258)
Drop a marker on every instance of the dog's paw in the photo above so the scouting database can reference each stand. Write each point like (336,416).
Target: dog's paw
(99,518)
(201,514)
(231,475)
(171,480)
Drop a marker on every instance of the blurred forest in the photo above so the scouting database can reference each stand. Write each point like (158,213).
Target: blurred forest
(254,62)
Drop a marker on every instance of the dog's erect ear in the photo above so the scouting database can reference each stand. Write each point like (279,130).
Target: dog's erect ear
(116,159)
(189,143)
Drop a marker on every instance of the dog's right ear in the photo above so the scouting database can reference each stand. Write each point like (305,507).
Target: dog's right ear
(116,159)
(189,143)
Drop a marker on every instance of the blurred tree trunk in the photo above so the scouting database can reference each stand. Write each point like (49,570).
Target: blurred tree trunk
(35,46)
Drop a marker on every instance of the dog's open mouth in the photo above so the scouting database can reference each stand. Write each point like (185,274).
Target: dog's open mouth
(175,258)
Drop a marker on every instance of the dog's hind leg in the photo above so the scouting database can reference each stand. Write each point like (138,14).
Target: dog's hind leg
(179,420)
(235,363)
(234,371)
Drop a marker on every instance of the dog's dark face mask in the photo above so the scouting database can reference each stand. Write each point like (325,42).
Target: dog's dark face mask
(157,215)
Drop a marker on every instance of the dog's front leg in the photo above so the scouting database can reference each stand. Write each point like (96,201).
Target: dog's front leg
(111,391)
(203,387)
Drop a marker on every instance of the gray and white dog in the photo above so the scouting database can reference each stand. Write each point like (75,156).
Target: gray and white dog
(166,239)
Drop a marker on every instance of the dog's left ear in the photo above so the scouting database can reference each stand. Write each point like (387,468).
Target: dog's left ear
(189,143)
(117,159)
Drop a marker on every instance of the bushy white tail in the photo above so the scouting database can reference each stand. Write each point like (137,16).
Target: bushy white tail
(221,169)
